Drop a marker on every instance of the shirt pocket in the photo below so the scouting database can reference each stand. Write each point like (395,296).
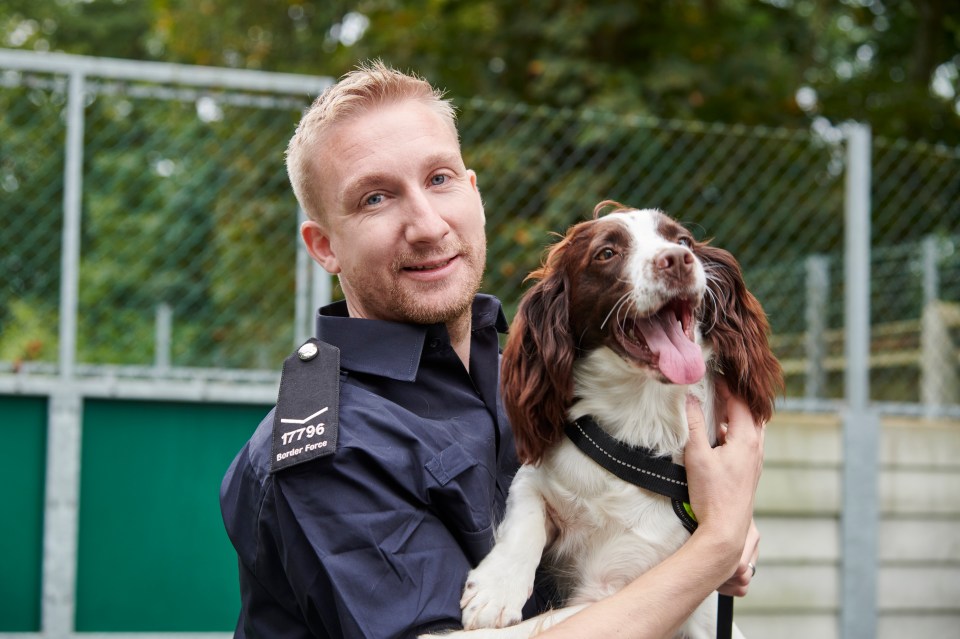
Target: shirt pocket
(463,497)
(449,463)
(411,577)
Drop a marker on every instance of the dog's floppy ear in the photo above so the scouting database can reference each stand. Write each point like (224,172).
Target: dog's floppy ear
(537,370)
(735,323)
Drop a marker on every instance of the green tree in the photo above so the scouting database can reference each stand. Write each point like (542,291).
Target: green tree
(710,60)
(111,28)
(31,193)
(894,64)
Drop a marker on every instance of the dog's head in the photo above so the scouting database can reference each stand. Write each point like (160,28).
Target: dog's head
(635,282)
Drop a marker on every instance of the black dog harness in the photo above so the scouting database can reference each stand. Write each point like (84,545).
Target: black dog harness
(636,465)
(641,467)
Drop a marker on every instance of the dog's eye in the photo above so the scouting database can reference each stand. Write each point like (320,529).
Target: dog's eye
(605,254)
(685,240)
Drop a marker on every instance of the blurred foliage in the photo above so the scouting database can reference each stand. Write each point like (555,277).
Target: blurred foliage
(31,214)
(186,206)
(891,63)
(180,210)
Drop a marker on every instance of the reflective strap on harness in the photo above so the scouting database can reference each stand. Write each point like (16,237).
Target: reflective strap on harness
(633,464)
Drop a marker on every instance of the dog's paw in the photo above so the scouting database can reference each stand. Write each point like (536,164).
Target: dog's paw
(491,599)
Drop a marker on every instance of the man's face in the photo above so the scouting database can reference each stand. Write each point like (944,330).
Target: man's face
(403,223)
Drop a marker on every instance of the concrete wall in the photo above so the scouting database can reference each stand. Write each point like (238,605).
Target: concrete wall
(796,592)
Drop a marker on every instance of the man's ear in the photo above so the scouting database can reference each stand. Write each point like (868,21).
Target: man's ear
(473,183)
(318,245)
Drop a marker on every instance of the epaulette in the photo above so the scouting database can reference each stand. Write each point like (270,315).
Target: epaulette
(306,420)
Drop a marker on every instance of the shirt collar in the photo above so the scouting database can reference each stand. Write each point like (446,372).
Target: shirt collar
(393,349)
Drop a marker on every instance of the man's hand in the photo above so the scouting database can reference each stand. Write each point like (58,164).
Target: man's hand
(723,480)
(739,583)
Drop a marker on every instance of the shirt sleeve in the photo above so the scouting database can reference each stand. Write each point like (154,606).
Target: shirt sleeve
(362,556)
(268,607)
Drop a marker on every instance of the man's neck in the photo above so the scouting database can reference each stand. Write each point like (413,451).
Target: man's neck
(459,332)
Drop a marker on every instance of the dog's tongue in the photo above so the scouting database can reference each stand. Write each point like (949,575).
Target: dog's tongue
(681,360)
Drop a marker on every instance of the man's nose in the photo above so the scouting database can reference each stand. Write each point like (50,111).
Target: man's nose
(425,221)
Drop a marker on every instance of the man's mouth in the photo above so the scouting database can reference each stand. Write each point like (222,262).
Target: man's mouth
(430,266)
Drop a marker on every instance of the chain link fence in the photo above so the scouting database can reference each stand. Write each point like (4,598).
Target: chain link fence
(188,227)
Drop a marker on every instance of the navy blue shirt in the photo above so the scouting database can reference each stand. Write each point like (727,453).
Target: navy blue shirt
(375,540)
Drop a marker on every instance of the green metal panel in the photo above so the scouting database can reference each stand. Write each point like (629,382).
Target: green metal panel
(23,428)
(153,555)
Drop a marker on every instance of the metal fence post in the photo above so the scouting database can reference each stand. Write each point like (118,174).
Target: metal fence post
(163,340)
(61,500)
(818,293)
(939,382)
(72,209)
(931,275)
(860,514)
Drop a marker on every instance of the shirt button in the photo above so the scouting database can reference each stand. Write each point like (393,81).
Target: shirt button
(434,343)
(307,352)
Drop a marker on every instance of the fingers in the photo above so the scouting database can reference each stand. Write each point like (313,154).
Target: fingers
(696,423)
(741,425)
(738,413)
(722,392)
(721,388)
(723,483)
(722,433)
(739,583)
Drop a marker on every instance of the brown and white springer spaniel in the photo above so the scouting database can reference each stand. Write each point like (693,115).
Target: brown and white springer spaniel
(629,315)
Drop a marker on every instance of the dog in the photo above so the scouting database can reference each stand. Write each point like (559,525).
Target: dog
(628,315)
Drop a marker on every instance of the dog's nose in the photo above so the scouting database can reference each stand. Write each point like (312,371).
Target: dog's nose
(675,261)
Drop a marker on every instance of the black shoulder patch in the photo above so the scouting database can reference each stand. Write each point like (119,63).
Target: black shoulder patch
(308,407)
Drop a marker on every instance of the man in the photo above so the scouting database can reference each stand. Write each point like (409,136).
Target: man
(371,532)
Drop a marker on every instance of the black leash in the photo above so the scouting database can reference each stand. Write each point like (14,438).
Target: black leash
(641,467)
(724,616)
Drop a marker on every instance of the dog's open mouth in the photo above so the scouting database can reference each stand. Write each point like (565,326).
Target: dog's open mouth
(665,341)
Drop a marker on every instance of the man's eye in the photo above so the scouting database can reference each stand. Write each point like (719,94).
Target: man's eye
(605,254)
(373,200)
(438,179)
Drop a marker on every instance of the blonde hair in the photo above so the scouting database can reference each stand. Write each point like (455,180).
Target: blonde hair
(370,85)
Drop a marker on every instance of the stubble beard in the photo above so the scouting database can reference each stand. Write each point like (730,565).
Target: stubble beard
(456,305)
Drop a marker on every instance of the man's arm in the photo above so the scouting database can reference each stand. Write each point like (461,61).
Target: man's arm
(723,482)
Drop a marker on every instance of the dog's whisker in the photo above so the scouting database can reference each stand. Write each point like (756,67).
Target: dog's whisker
(622,322)
(714,299)
(710,298)
(619,303)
